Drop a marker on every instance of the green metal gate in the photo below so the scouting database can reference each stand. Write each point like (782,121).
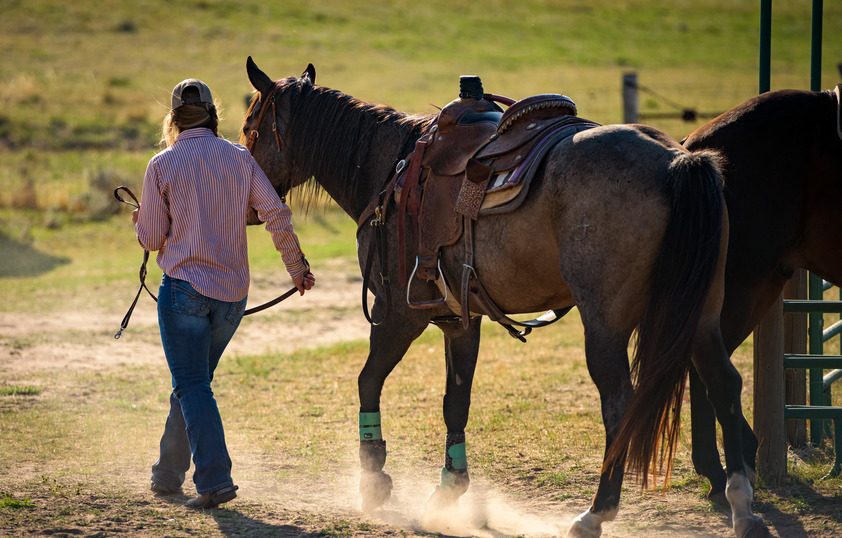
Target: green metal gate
(820,411)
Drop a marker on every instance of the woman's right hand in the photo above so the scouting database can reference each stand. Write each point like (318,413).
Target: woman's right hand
(134,216)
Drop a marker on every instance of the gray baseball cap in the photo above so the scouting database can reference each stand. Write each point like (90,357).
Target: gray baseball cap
(204,93)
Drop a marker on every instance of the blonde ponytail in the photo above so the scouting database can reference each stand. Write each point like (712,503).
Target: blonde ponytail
(188,117)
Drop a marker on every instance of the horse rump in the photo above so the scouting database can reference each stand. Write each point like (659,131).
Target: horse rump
(681,281)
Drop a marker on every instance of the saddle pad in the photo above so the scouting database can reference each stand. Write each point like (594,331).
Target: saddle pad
(506,190)
(499,191)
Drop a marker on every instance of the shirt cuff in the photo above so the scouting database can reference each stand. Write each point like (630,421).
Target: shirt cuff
(299,268)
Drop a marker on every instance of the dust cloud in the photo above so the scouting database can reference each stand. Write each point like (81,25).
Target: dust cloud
(482,511)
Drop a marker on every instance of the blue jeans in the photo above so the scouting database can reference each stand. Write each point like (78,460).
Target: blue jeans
(194,331)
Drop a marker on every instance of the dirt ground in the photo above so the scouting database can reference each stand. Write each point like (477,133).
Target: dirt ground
(263,508)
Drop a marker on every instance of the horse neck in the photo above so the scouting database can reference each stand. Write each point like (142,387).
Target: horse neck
(352,152)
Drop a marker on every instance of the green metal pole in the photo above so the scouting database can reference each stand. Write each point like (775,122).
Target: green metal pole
(816,48)
(816,326)
(765,67)
(816,319)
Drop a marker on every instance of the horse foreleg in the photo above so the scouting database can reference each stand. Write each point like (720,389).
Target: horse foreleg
(724,385)
(461,349)
(388,344)
(705,454)
(608,365)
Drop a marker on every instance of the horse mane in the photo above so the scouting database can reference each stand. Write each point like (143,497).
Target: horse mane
(330,134)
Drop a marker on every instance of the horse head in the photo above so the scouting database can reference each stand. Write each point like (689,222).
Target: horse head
(267,124)
(333,144)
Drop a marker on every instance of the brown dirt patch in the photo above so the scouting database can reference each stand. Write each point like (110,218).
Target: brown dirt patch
(67,503)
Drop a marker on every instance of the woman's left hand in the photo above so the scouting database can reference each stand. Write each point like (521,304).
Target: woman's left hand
(304,282)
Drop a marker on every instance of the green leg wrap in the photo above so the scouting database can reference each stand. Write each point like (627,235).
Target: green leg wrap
(454,475)
(454,480)
(370,427)
(372,445)
(455,457)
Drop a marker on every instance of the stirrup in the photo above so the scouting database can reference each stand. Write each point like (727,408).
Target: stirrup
(425,304)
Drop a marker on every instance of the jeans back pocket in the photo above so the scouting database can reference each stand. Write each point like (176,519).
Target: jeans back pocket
(236,311)
(186,300)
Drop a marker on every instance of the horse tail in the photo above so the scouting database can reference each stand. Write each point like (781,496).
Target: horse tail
(682,278)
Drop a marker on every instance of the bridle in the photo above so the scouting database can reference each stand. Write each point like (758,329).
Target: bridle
(264,106)
(254,134)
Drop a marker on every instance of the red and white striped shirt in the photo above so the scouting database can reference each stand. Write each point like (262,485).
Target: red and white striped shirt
(195,202)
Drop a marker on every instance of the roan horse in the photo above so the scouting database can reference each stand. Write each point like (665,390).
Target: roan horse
(620,221)
(783,189)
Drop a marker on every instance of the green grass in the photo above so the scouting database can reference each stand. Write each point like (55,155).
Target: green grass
(88,262)
(8,501)
(19,391)
(65,115)
(83,87)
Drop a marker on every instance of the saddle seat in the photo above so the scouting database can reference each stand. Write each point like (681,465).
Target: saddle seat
(471,142)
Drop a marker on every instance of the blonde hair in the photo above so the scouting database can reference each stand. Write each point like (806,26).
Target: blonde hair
(188,117)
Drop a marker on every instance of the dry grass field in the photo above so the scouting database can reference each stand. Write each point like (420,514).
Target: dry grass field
(83,87)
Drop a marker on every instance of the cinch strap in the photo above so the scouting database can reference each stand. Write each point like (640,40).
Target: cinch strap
(370,427)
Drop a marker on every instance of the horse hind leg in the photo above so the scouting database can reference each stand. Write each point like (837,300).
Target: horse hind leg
(461,350)
(704,453)
(724,385)
(608,365)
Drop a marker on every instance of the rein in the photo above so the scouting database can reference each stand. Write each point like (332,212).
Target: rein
(142,275)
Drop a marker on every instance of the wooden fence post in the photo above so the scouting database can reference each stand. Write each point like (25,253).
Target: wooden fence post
(630,98)
(795,342)
(769,393)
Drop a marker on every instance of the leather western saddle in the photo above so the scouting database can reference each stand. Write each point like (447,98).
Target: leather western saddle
(474,159)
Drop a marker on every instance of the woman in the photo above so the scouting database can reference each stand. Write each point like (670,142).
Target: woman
(196,197)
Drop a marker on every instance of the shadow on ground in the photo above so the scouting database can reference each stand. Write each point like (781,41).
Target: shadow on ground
(18,259)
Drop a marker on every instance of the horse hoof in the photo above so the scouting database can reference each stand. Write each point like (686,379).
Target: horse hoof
(441,511)
(441,499)
(581,531)
(375,488)
(718,498)
(585,526)
(588,524)
(752,528)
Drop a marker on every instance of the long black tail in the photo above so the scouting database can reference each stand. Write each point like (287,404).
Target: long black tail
(681,281)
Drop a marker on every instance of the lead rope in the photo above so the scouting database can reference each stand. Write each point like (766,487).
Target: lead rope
(142,274)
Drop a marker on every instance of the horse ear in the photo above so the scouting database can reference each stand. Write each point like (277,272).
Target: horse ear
(310,73)
(258,78)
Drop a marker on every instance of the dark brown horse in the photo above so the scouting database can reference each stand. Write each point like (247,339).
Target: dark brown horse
(620,221)
(783,189)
